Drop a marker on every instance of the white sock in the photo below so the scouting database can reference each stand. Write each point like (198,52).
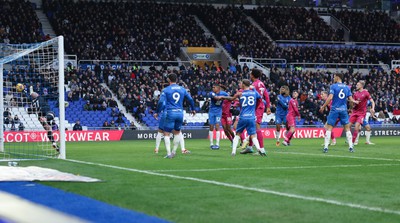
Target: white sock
(177,139)
(358,136)
(158,140)
(235,143)
(167,141)
(349,137)
(218,136)
(211,135)
(277,136)
(367,135)
(257,144)
(182,141)
(327,138)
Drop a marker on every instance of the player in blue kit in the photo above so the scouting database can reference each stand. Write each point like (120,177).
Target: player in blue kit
(160,116)
(215,114)
(338,93)
(281,111)
(247,118)
(173,97)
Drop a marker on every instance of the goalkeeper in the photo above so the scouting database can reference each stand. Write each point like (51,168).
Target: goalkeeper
(41,108)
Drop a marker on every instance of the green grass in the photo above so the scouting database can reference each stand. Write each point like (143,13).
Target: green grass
(369,177)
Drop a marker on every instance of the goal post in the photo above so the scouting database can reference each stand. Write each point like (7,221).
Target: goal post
(32,103)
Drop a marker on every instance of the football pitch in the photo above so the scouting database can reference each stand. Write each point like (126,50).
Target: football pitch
(292,184)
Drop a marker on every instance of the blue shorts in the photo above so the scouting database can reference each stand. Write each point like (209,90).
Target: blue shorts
(161,122)
(365,123)
(173,121)
(248,124)
(214,118)
(334,115)
(280,118)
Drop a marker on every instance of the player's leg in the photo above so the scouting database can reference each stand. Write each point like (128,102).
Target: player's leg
(168,127)
(158,140)
(226,128)
(229,128)
(177,131)
(212,119)
(278,129)
(160,131)
(176,142)
(357,127)
(291,124)
(368,135)
(252,130)
(259,116)
(344,119)
(217,132)
(239,130)
(182,144)
(331,120)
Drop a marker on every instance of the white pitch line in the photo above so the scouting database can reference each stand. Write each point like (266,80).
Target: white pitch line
(301,197)
(275,168)
(340,156)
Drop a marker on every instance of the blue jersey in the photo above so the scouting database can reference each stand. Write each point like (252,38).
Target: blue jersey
(248,102)
(340,93)
(283,105)
(216,105)
(173,96)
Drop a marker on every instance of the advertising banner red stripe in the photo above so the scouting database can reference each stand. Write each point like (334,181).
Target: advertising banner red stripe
(71,136)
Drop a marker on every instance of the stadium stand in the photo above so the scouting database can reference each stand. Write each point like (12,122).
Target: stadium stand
(294,23)
(155,31)
(124,30)
(380,28)
(19,23)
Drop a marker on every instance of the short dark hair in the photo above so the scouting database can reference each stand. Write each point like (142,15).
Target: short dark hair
(223,87)
(172,77)
(246,82)
(340,75)
(256,73)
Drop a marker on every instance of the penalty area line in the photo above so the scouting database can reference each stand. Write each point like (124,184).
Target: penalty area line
(277,168)
(236,186)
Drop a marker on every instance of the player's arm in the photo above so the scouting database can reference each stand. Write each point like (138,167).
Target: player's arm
(328,100)
(296,110)
(161,103)
(266,98)
(234,97)
(282,103)
(191,102)
(351,99)
(372,110)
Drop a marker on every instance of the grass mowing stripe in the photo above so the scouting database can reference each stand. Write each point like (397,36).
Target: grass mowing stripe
(276,168)
(308,198)
(339,156)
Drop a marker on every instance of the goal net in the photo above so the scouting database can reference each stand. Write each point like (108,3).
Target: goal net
(32,126)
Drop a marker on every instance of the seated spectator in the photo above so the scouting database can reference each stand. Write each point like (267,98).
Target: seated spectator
(114,112)
(7,116)
(271,122)
(77,126)
(132,126)
(106,125)
(112,125)
(88,106)
(120,119)
(21,127)
(112,103)
(16,119)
